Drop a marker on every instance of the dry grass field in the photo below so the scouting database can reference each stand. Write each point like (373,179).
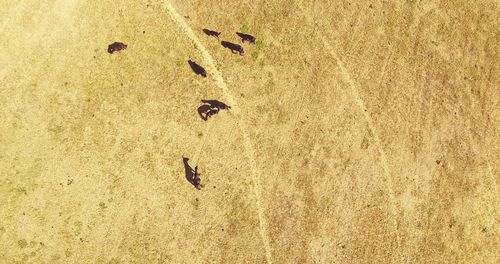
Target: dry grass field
(359,132)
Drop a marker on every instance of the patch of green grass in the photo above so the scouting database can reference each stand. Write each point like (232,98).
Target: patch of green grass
(245,29)
(22,190)
(259,44)
(102,205)
(255,55)
(141,99)
(22,243)
(33,170)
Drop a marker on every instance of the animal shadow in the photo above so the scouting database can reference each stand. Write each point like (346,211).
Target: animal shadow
(211,33)
(210,108)
(197,69)
(235,48)
(192,176)
(246,37)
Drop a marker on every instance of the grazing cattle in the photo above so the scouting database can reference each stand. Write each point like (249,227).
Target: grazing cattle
(246,37)
(216,104)
(116,46)
(192,176)
(210,108)
(211,33)
(205,111)
(235,48)
(197,69)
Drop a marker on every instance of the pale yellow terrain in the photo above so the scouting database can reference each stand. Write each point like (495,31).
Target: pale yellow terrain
(360,132)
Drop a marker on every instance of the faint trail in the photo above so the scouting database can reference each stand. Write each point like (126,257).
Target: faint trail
(384,69)
(355,93)
(376,139)
(196,157)
(495,188)
(249,149)
(478,153)
(477,149)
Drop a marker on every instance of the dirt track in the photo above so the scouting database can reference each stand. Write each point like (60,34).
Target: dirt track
(358,133)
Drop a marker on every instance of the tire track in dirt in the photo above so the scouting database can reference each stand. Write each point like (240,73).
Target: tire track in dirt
(476,148)
(376,138)
(196,156)
(359,101)
(249,149)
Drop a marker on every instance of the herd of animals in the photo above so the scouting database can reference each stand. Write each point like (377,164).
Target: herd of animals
(208,107)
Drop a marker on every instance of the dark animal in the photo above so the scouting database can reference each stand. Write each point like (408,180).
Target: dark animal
(205,111)
(210,108)
(211,33)
(197,68)
(116,46)
(246,37)
(235,48)
(192,176)
(216,104)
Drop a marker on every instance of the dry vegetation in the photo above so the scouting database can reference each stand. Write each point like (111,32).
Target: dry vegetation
(360,132)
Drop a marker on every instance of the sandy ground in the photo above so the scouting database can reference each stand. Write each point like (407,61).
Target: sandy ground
(360,132)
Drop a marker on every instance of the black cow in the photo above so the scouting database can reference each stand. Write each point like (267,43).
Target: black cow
(205,111)
(192,176)
(197,69)
(246,37)
(216,104)
(210,108)
(116,46)
(235,48)
(211,33)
